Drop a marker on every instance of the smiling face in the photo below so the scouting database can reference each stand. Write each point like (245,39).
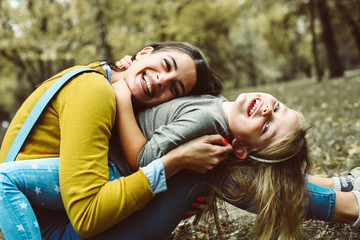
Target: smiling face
(158,77)
(258,119)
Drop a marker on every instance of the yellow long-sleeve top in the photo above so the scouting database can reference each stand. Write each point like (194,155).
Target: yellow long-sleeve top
(76,126)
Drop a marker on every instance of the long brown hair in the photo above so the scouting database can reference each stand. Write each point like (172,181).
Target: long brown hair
(276,190)
(207,81)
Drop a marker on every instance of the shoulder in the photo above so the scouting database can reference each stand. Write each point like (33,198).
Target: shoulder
(88,83)
(90,91)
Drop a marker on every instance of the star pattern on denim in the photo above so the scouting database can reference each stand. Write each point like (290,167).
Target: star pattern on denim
(1,198)
(34,166)
(37,190)
(20,227)
(57,189)
(23,205)
(36,224)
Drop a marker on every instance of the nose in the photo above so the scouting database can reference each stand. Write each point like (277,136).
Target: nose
(163,80)
(266,111)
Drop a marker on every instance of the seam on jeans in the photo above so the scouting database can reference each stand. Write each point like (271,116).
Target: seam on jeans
(9,202)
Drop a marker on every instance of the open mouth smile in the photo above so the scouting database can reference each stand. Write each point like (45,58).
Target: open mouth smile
(254,105)
(148,85)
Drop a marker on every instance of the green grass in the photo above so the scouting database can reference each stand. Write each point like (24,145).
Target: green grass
(333,108)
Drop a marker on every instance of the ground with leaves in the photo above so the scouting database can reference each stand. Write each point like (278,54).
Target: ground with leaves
(333,108)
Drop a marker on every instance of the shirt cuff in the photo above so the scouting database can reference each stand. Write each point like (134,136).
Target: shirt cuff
(155,172)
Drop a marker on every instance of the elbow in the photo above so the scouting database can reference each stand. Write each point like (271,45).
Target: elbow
(84,224)
(133,165)
(83,231)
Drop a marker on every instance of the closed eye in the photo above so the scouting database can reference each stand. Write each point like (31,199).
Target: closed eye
(167,64)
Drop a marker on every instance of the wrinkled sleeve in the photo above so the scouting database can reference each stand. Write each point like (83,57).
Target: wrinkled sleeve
(190,122)
(87,113)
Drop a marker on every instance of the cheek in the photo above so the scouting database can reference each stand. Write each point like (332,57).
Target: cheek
(131,81)
(164,98)
(247,131)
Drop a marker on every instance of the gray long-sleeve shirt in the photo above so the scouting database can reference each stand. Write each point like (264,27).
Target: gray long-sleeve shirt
(170,124)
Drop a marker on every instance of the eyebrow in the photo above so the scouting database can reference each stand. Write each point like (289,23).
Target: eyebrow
(176,67)
(174,62)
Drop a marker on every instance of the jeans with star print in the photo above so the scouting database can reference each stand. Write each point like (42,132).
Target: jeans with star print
(26,183)
(36,182)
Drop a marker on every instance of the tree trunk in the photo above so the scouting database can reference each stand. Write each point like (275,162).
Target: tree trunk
(250,57)
(354,26)
(314,41)
(335,65)
(102,29)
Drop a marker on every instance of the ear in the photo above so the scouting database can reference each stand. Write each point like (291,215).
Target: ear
(145,51)
(239,149)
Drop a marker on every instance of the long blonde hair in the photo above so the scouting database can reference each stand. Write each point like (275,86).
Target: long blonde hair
(277,190)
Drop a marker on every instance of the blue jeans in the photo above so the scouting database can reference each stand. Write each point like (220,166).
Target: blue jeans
(28,185)
(33,184)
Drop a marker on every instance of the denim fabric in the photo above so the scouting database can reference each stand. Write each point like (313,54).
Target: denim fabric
(28,184)
(321,203)
(157,219)
(23,183)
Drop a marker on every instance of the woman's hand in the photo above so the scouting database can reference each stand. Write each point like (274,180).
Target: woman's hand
(200,155)
(201,204)
(124,63)
(121,90)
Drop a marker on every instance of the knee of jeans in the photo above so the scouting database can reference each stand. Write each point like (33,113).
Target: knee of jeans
(6,182)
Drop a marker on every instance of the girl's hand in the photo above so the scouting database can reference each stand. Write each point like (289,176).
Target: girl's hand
(198,207)
(124,63)
(121,90)
(200,155)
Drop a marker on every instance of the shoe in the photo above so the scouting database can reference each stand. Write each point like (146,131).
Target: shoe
(356,174)
(349,182)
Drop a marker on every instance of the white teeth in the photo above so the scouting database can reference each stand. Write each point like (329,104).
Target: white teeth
(147,83)
(254,107)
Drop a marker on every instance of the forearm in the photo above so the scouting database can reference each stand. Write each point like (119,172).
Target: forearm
(171,164)
(325,182)
(131,138)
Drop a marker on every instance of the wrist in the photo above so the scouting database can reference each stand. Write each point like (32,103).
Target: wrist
(171,165)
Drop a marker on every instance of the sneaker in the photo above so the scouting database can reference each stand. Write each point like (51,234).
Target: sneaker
(349,182)
(356,175)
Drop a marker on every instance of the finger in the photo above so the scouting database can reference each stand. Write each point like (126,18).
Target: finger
(128,60)
(217,139)
(124,63)
(119,65)
(191,213)
(199,206)
(222,150)
(201,199)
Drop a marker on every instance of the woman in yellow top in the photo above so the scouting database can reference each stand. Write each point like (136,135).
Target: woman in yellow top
(76,127)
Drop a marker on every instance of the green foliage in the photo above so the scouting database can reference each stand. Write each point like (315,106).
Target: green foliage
(248,42)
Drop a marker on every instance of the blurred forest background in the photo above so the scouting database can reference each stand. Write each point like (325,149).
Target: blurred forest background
(248,42)
(305,52)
